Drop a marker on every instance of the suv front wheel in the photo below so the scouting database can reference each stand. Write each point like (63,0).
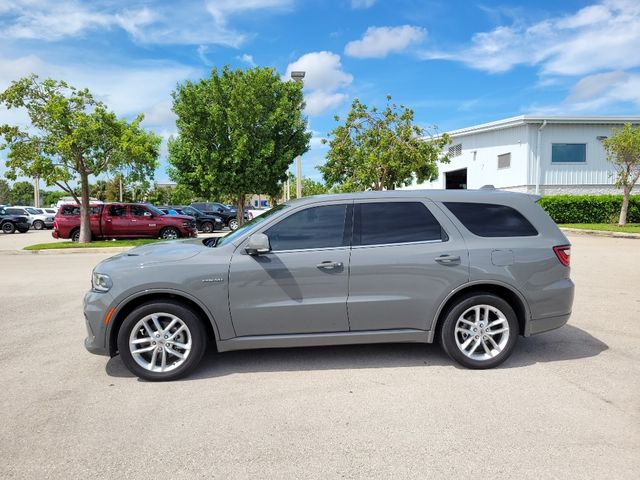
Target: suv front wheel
(479,331)
(161,341)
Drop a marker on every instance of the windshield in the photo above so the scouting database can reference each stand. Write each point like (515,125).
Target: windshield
(230,237)
(191,211)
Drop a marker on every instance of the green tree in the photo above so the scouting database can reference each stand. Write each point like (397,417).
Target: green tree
(22,193)
(380,149)
(623,150)
(238,131)
(182,195)
(72,137)
(51,197)
(159,195)
(5,192)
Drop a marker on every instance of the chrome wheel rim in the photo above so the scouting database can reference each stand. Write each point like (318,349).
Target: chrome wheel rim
(233,224)
(160,342)
(170,234)
(482,332)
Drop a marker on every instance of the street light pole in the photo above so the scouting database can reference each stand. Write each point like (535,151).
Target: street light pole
(298,76)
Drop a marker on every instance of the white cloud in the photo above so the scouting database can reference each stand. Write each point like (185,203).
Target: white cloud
(323,79)
(248,59)
(362,3)
(190,22)
(378,42)
(602,36)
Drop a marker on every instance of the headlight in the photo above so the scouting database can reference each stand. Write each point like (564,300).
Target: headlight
(101,282)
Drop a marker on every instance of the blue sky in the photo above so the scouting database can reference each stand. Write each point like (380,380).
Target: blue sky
(456,63)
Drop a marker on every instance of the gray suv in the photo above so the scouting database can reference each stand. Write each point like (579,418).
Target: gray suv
(471,269)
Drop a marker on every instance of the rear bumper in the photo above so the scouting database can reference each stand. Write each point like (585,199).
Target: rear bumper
(542,325)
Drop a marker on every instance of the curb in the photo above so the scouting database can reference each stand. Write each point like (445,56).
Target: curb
(64,251)
(601,233)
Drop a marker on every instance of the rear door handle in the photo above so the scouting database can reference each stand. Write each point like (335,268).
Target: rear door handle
(448,259)
(329,265)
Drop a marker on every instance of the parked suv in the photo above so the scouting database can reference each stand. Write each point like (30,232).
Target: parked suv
(471,269)
(39,218)
(9,222)
(229,215)
(205,222)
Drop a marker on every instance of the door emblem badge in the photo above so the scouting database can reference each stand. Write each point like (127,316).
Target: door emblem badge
(213,280)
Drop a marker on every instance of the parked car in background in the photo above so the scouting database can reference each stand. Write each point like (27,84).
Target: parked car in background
(20,211)
(470,269)
(229,215)
(39,218)
(205,223)
(252,213)
(10,223)
(123,220)
(50,210)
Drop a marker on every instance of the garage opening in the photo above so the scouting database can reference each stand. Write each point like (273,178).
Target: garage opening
(456,180)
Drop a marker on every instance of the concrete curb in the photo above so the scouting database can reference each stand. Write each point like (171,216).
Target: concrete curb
(601,233)
(64,251)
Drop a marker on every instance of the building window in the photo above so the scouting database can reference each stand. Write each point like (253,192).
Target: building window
(569,153)
(504,160)
(455,150)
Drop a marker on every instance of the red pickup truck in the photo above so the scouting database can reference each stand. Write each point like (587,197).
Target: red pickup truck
(123,220)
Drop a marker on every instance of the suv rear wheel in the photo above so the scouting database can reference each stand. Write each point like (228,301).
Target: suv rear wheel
(207,227)
(38,225)
(479,331)
(161,341)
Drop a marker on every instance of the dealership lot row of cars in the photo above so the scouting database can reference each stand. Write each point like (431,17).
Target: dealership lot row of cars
(125,220)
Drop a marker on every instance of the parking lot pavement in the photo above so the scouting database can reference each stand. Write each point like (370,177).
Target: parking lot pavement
(17,241)
(566,405)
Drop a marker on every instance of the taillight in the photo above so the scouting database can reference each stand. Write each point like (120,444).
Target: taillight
(563,252)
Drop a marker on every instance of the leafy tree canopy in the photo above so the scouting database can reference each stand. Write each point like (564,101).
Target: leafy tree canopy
(380,149)
(623,150)
(72,136)
(238,131)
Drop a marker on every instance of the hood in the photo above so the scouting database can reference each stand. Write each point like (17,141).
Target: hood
(184,218)
(161,252)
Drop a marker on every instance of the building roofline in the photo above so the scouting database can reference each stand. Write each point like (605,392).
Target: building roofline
(538,119)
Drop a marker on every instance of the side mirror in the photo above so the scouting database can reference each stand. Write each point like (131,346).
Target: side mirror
(148,214)
(220,210)
(258,243)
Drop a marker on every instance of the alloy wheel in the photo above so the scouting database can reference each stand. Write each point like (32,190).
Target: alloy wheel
(482,332)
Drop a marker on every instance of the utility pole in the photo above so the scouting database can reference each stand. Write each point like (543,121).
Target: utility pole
(298,76)
(120,178)
(36,191)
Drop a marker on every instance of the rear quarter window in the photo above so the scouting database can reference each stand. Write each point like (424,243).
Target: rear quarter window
(491,220)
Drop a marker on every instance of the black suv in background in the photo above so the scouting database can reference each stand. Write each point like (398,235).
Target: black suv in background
(229,215)
(205,222)
(10,223)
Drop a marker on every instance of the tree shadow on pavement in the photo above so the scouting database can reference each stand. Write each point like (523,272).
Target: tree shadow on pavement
(567,343)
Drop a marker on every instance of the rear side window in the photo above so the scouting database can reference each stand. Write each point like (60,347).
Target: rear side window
(395,222)
(314,227)
(490,220)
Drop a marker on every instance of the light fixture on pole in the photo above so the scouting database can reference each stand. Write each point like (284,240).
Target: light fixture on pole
(298,76)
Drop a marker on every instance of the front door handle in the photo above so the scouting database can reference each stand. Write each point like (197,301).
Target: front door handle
(448,259)
(329,265)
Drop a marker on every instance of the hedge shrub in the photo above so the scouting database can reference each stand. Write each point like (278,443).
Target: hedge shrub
(589,208)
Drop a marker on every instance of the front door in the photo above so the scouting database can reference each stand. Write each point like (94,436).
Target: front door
(143,223)
(116,222)
(301,285)
(406,258)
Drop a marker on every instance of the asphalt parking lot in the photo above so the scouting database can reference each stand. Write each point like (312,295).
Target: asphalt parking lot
(566,405)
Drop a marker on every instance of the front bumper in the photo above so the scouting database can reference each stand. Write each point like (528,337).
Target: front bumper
(55,234)
(96,305)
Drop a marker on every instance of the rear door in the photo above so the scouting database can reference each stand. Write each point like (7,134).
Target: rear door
(406,258)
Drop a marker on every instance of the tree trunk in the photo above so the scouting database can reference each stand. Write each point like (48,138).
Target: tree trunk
(240,208)
(85,224)
(622,221)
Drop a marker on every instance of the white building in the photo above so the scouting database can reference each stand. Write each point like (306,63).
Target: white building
(546,155)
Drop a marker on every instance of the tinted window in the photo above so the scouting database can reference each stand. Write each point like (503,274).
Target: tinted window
(138,211)
(568,153)
(117,210)
(314,227)
(489,220)
(17,211)
(395,222)
(75,210)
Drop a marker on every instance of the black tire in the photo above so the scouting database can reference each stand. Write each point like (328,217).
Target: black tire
(8,227)
(75,235)
(187,316)
(233,224)
(169,233)
(207,227)
(449,337)
(23,229)
(38,224)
